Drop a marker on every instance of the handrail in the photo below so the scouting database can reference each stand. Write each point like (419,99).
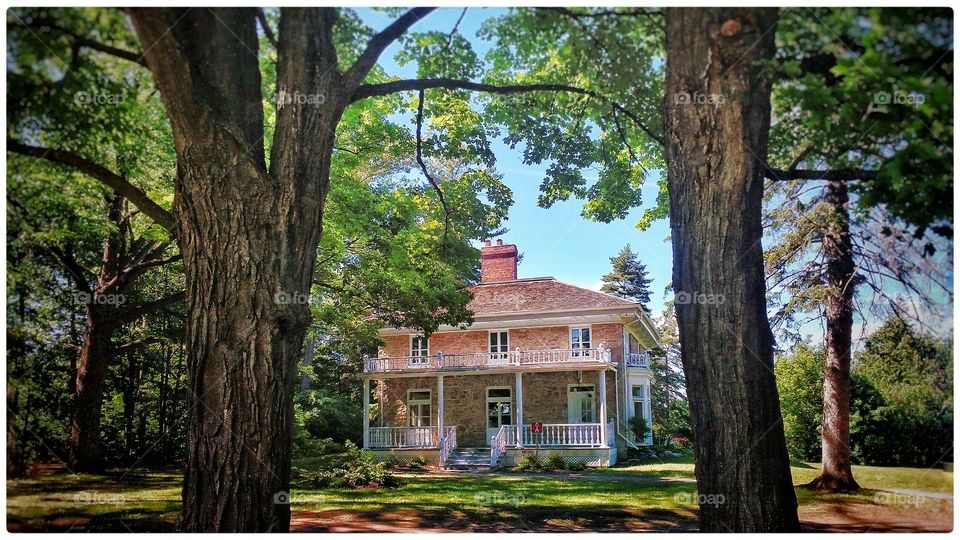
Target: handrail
(497,445)
(447,444)
(640,359)
(479,360)
(582,435)
(403,437)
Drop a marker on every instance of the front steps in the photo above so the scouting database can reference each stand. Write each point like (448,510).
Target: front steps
(469,459)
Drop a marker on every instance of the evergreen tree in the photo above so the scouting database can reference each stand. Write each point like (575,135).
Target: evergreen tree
(629,278)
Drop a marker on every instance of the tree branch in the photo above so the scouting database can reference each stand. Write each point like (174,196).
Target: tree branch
(267,31)
(423,167)
(378,43)
(132,193)
(407,85)
(831,174)
(81,276)
(83,41)
(135,312)
(603,13)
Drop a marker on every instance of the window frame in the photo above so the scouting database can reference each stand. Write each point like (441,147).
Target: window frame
(504,353)
(418,358)
(580,328)
(593,401)
(500,399)
(419,403)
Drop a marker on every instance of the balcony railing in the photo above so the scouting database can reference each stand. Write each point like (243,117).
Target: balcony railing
(641,359)
(409,437)
(486,360)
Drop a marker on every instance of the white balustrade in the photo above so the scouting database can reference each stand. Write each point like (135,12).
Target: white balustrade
(404,437)
(486,360)
(497,444)
(641,359)
(447,444)
(557,435)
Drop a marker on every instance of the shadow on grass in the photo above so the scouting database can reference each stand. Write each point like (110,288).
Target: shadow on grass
(498,504)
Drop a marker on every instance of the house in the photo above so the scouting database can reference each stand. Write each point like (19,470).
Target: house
(545,367)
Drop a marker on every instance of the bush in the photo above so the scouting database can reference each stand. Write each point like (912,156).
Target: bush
(530,462)
(681,442)
(357,468)
(555,463)
(576,466)
(419,462)
(639,427)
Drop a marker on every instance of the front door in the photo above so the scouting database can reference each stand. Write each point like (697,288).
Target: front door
(499,410)
(580,404)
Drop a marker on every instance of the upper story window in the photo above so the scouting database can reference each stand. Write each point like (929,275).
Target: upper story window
(580,339)
(499,344)
(419,347)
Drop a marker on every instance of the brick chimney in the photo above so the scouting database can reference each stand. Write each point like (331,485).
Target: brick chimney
(498,263)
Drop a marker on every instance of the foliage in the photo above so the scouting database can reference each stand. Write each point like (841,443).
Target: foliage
(354,468)
(901,399)
(639,427)
(668,401)
(628,279)
(530,462)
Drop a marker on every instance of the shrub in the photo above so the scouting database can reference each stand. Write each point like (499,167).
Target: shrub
(530,462)
(576,466)
(681,442)
(639,427)
(357,468)
(555,463)
(419,462)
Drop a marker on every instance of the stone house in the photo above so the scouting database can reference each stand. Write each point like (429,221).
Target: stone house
(545,367)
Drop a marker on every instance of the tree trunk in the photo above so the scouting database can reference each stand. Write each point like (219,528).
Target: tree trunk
(88,398)
(717,119)
(248,238)
(836,473)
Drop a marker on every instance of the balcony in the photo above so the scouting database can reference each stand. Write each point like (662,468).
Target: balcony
(639,360)
(485,360)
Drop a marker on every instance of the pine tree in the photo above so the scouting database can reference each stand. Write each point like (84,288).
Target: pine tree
(629,278)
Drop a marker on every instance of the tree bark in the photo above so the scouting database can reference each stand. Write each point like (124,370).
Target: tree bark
(836,473)
(717,115)
(248,237)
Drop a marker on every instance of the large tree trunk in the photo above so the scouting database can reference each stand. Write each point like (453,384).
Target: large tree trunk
(90,384)
(836,474)
(717,121)
(248,238)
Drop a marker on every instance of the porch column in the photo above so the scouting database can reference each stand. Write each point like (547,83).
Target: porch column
(647,407)
(602,397)
(518,381)
(366,413)
(439,407)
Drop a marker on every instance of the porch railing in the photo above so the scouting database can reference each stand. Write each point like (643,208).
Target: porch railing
(486,360)
(447,444)
(641,359)
(404,437)
(497,444)
(587,435)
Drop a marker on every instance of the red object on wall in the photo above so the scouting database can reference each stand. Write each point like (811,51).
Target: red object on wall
(536,427)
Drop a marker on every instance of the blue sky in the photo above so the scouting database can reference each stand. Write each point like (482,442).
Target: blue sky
(557,241)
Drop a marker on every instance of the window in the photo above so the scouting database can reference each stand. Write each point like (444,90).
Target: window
(639,395)
(580,339)
(499,345)
(499,408)
(419,408)
(419,350)
(580,404)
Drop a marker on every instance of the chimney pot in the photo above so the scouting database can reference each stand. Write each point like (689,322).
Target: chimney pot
(486,243)
(499,242)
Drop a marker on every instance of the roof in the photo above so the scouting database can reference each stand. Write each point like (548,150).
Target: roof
(537,295)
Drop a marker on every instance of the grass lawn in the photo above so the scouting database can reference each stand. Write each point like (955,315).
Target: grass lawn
(149,501)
